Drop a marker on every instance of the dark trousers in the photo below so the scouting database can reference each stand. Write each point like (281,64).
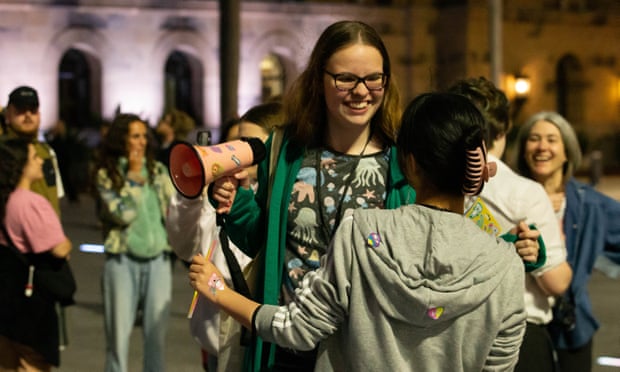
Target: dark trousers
(576,360)
(536,353)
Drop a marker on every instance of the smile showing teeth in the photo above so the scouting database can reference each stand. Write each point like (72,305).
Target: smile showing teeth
(541,158)
(358,105)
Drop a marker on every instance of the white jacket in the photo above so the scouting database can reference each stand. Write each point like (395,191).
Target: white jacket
(192,230)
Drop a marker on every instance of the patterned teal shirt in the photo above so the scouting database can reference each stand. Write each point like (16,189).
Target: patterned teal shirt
(133,217)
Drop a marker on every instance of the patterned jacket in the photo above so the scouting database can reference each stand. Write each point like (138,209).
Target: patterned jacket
(121,209)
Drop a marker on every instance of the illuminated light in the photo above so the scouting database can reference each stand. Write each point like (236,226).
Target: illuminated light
(522,86)
(608,361)
(91,248)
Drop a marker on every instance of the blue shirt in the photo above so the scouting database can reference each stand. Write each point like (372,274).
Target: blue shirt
(591,226)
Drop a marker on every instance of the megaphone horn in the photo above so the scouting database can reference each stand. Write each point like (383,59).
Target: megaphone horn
(194,167)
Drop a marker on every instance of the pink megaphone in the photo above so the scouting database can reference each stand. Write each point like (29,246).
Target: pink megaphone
(194,167)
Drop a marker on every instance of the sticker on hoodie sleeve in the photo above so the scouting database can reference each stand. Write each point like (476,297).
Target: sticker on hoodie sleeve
(373,240)
(435,312)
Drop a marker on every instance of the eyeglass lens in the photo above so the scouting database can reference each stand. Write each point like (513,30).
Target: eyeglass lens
(350,81)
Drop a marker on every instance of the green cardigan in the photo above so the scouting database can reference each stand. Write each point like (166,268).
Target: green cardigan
(253,226)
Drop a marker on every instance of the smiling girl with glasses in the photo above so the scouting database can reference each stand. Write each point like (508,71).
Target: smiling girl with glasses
(337,155)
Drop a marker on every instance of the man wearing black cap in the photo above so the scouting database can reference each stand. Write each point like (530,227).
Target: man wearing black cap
(22,119)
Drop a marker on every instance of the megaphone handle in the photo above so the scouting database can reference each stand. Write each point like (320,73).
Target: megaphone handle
(225,204)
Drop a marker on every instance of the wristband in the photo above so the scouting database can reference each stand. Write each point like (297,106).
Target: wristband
(542,251)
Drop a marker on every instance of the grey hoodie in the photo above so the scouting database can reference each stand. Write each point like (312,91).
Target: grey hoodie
(412,289)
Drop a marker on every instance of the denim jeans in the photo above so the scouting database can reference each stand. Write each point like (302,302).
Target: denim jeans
(126,283)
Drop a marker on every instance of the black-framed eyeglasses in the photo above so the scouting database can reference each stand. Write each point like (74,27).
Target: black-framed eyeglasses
(346,82)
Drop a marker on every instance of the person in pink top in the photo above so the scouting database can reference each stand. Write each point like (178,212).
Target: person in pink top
(28,324)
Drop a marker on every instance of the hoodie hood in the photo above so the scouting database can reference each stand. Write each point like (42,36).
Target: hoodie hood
(425,266)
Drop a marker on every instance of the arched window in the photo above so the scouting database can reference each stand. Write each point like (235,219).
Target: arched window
(75,90)
(79,111)
(570,89)
(272,77)
(183,84)
(178,83)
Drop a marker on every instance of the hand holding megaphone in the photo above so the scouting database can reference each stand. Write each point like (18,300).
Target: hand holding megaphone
(194,167)
(224,189)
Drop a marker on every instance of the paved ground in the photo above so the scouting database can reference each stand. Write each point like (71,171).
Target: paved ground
(87,344)
(86,349)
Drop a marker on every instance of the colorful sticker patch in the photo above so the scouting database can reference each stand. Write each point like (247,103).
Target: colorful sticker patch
(434,312)
(373,240)
(482,216)
(217,169)
(215,283)
(235,159)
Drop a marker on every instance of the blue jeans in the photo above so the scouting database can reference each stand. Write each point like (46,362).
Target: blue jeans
(126,283)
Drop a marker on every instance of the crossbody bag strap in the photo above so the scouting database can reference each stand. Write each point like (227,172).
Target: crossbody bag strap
(236,273)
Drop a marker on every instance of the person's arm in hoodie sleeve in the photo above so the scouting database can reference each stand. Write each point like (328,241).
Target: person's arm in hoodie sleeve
(319,308)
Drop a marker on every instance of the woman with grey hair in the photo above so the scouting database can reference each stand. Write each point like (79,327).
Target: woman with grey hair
(568,137)
(548,152)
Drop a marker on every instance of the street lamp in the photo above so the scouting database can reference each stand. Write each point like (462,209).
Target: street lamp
(520,86)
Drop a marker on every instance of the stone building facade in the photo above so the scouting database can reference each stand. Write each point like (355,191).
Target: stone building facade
(92,58)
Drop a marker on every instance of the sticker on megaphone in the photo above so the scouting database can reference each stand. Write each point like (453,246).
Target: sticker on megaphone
(194,167)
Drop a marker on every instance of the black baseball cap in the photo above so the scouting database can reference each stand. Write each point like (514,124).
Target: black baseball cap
(24,98)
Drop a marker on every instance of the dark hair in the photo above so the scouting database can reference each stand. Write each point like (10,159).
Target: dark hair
(115,146)
(438,129)
(267,115)
(2,122)
(305,107)
(491,102)
(14,155)
(227,127)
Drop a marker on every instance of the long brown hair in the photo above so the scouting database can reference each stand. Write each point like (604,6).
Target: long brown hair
(304,105)
(14,155)
(115,146)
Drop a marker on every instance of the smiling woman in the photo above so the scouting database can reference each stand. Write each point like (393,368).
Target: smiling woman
(548,152)
(549,149)
(422,275)
(337,155)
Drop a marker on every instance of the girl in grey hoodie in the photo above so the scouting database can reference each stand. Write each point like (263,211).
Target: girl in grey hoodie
(420,288)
